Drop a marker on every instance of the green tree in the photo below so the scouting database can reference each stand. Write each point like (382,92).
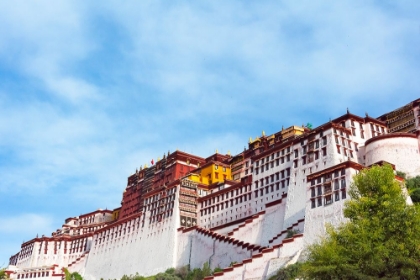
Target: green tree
(379,241)
(289,272)
(72,276)
(3,274)
(166,276)
(413,186)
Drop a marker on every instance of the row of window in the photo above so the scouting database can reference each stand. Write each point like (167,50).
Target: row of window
(226,204)
(33,275)
(328,177)
(156,197)
(345,143)
(165,201)
(270,188)
(260,167)
(328,199)
(223,196)
(117,231)
(162,215)
(272,178)
(267,159)
(327,188)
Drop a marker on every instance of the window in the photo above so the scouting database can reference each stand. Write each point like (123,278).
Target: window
(328,199)
(312,192)
(319,190)
(216,167)
(337,196)
(296,153)
(319,201)
(313,203)
(324,151)
(336,185)
(343,194)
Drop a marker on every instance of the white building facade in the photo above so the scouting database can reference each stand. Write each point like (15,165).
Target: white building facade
(287,190)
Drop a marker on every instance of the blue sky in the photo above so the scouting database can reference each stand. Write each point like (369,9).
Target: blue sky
(90,91)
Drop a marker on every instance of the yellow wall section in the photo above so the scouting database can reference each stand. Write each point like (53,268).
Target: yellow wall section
(210,174)
(116,214)
(293,130)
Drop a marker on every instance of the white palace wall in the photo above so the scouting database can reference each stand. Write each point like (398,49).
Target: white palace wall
(398,149)
(247,222)
(146,250)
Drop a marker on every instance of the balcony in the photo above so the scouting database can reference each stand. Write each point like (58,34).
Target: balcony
(327,189)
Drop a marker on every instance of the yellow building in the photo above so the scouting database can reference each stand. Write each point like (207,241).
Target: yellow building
(213,171)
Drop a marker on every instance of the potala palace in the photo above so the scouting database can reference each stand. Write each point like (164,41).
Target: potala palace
(224,209)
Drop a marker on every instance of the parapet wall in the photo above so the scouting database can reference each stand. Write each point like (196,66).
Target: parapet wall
(400,149)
